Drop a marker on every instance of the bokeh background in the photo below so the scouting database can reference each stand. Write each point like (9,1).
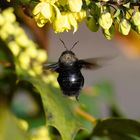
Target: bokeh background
(122,71)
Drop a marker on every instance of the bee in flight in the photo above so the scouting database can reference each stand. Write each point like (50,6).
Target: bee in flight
(69,68)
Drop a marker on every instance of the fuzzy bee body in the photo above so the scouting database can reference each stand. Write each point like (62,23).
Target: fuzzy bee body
(69,68)
(71,81)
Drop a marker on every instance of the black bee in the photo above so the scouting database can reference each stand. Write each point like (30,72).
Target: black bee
(69,68)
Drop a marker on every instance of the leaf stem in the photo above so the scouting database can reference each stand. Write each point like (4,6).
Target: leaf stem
(86,115)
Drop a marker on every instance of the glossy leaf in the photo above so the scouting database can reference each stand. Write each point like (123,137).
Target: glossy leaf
(118,129)
(58,111)
(92,24)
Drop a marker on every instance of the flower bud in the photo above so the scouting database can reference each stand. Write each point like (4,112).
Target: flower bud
(75,5)
(105,20)
(24,61)
(138,29)
(8,15)
(108,33)
(14,47)
(42,56)
(124,27)
(79,16)
(136,18)
(2,20)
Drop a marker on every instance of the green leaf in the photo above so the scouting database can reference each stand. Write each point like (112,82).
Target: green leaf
(117,13)
(89,104)
(95,10)
(58,110)
(92,24)
(118,129)
(105,93)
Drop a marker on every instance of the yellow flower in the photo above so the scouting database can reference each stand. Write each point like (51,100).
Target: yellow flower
(2,20)
(138,29)
(14,47)
(43,13)
(64,22)
(75,5)
(73,21)
(9,16)
(108,33)
(124,27)
(79,16)
(63,2)
(105,20)
(42,56)
(136,18)
(24,61)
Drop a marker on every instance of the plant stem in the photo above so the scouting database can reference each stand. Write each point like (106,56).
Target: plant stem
(86,115)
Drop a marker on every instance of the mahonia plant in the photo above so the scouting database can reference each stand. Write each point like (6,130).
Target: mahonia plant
(28,56)
(109,15)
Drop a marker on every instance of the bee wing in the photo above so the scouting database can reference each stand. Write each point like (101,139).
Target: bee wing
(53,66)
(94,63)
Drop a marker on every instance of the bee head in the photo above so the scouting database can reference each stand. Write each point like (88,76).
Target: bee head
(67,57)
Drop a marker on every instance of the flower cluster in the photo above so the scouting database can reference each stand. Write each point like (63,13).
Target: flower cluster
(109,15)
(62,14)
(28,57)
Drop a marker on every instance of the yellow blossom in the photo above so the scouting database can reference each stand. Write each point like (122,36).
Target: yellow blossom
(73,22)
(24,60)
(43,13)
(1,20)
(105,20)
(124,27)
(136,18)
(79,16)
(65,22)
(75,5)
(9,16)
(62,23)
(41,56)
(14,47)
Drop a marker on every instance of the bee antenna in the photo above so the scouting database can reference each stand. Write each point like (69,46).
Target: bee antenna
(74,45)
(63,44)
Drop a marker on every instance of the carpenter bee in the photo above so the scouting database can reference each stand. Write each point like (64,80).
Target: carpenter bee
(69,68)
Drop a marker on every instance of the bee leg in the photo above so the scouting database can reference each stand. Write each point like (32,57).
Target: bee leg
(77,98)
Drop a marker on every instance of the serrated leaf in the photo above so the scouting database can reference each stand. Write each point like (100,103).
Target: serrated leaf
(58,110)
(115,129)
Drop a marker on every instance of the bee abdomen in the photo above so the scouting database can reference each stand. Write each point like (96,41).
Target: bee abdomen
(71,83)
